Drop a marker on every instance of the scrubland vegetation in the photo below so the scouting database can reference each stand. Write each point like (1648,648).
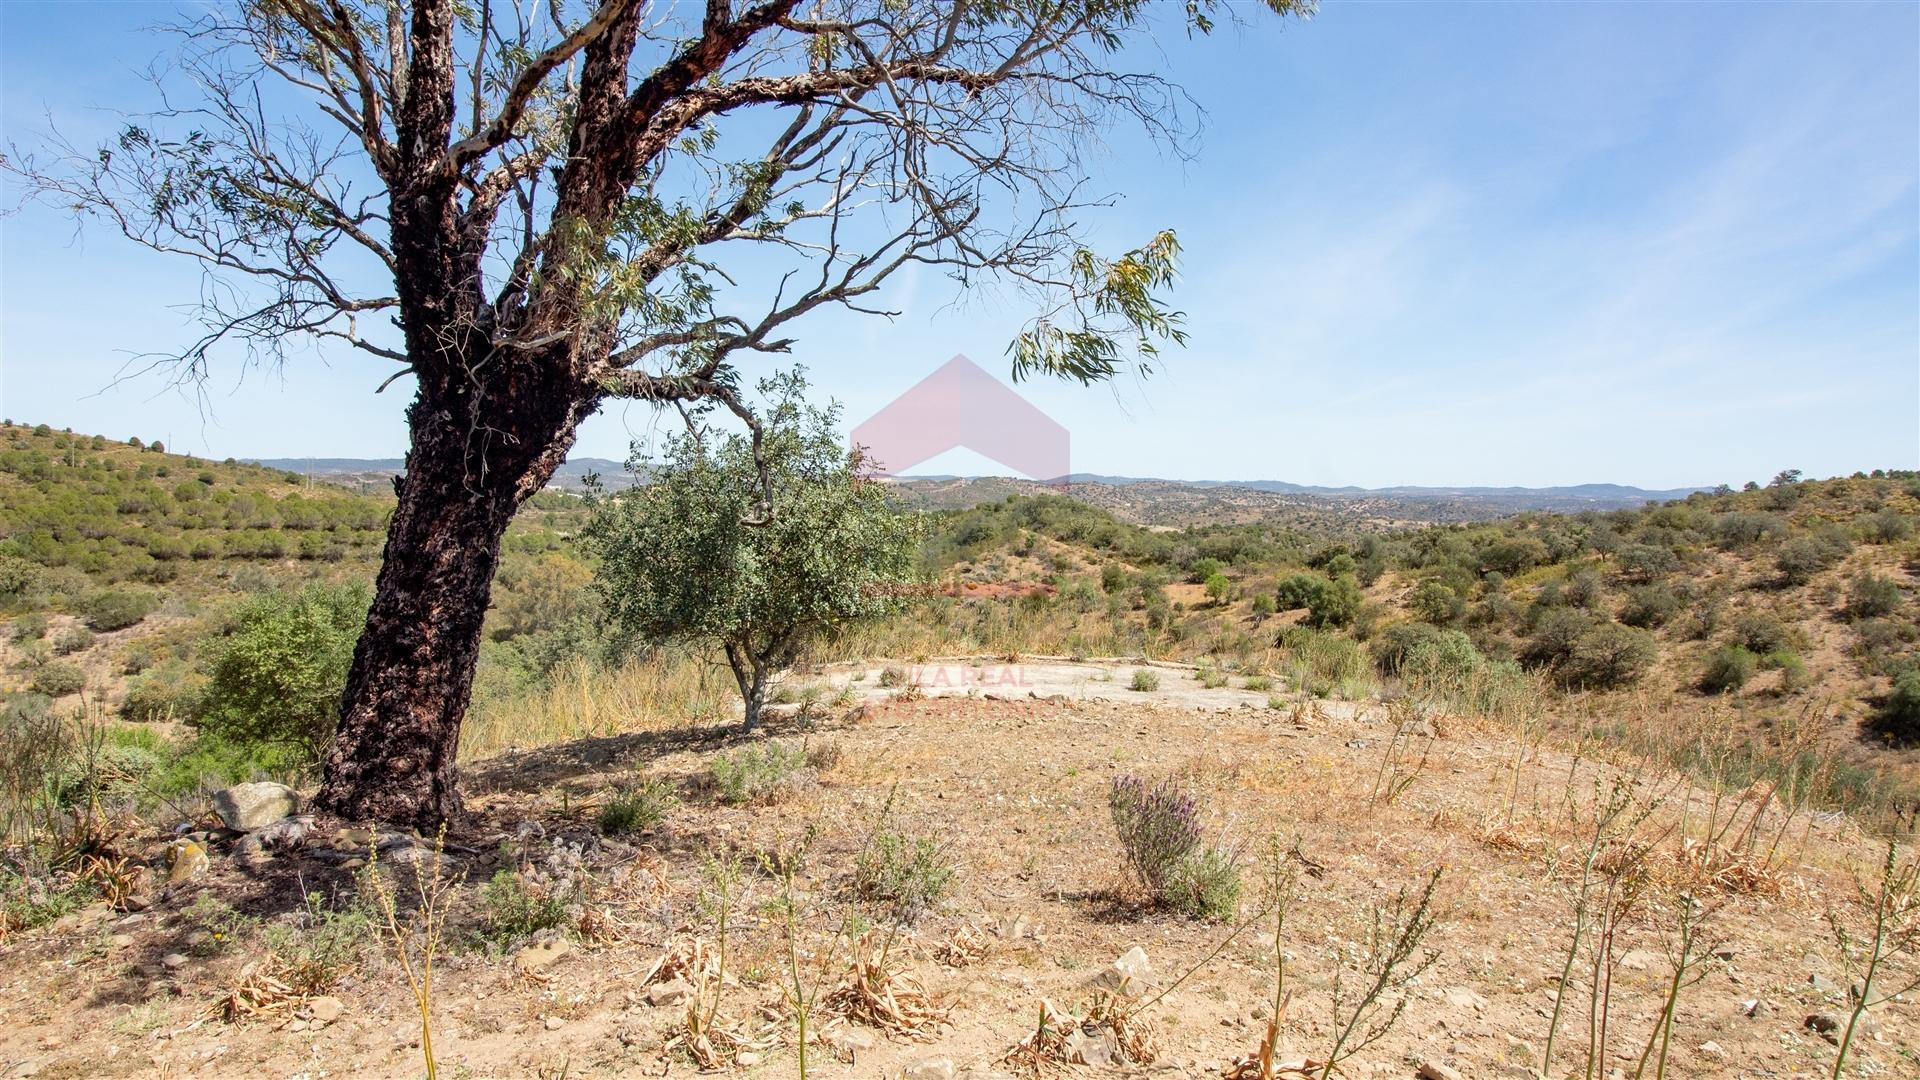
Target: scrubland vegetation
(1640,721)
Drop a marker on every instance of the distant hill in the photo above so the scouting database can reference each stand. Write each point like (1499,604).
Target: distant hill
(361,472)
(1611,496)
(1145,500)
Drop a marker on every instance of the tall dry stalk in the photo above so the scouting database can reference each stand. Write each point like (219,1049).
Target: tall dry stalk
(1688,969)
(1399,764)
(1393,957)
(1891,938)
(1616,814)
(426,923)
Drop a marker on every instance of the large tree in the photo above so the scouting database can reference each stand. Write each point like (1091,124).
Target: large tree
(556,204)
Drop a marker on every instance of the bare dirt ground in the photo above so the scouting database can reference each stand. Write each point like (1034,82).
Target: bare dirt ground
(1015,787)
(998,678)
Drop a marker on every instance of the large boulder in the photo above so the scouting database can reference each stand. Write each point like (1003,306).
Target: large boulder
(246,807)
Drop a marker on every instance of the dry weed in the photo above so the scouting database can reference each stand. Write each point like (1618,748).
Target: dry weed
(259,994)
(1710,867)
(709,1041)
(1501,834)
(1063,1039)
(1265,1063)
(882,995)
(966,945)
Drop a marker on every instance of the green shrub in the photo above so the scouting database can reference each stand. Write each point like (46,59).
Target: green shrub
(1900,715)
(18,579)
(891,676)
(321,945)
(208,762)
(29,627)
(1585,589)
(169,693)
(72,640)
(1434,602)
(1728,669)
(1219,587)
(1804,556)
(761,774)
(1792,669)
(1870,596)
(1445,659)
(1259,684)
(58,679)
(637,808)
(1263,604)
(1211,678)
(279,672)
(1296,591)
(1391,646)
(1881,644)
(136,658)
(1738,530)
(1335,604)
(1886,527)
(1762,634)
(1203,569)
(1205,885)
(1556,631)
(907,871)
(1646,562)
(1146,681)
(1608,656)
(515,907)
(117,609)
(1649,606)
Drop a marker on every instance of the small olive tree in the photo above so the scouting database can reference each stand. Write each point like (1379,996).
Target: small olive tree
(757,556)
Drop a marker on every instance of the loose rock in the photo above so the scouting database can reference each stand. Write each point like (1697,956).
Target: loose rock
(186,861)
(540,955)
(1099,1049)
(247,807)
(1433,1070)
(326,1009)
(1638,960)
(934,1068)
(850,1043)
(1131,973)
(672,992)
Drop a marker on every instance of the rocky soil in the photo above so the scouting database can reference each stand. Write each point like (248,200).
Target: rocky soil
(1040,931)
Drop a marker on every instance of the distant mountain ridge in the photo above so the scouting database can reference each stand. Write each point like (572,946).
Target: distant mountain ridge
(571,475)
(1146,500)
(1610,494)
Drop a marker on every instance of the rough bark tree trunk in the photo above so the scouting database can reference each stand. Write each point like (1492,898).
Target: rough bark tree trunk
(750,672)
(394,757)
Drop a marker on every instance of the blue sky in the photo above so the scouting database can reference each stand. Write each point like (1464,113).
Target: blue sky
(1657,244)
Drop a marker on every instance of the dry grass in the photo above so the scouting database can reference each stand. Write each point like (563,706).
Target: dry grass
(659,692)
